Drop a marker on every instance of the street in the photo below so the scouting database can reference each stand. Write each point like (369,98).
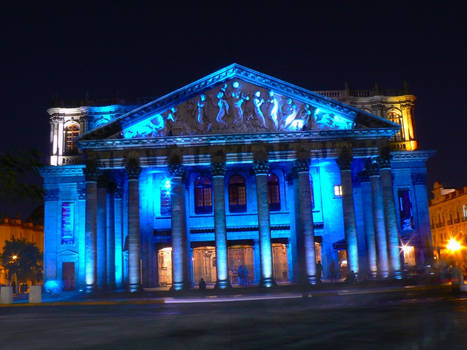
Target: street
(407,320)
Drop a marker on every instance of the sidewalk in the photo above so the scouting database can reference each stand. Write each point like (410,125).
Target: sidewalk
(230,295)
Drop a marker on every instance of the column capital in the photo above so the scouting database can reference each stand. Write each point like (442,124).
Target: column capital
(51,194)
(81,191)
(372,167)
(301,165)
(132,168)
(218,168)
(364,176)
(261,167)
(102,181)
(344,160)
(91,172)
(176,170)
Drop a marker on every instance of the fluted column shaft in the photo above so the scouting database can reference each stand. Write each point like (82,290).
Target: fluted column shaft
(179,253)
(111,238)
(305,223)
(101,232)
(350,228)
(134,239)
(91,227)
(369,222)
(378,215)
(261,169)
(218,172)
(392,233)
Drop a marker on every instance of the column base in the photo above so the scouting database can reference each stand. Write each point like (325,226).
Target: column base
(267,283)
(311,280)
(397,275)
(90,288)
(178,286)
(134,288)
(224,284)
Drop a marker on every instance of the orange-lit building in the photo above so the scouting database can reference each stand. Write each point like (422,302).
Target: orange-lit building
(448,214)
(16,228)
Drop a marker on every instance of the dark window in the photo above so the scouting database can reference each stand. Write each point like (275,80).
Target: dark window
(166,204)
(274,196)
(237,194)
(203,195)
(405,210)
(71,132)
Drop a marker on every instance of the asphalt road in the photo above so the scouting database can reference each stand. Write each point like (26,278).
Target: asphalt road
(409,320)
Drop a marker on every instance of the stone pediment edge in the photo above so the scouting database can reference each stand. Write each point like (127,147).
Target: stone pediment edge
(235,70)
(219,139)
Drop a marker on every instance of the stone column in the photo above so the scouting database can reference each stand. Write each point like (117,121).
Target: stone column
(368,218)
(218,172)
(392,233)
(101,232)
(378,215)
(304,219)
(111,237)
(345,161)
(91,174)
(134,239)
(179,249)
(118,226)
(261,169)
(425,246)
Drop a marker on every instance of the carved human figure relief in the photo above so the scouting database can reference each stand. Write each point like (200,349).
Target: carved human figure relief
(200,109)
(258,101)
(158,125)
(238,99)
(223,107)
(290,112)
(274,109)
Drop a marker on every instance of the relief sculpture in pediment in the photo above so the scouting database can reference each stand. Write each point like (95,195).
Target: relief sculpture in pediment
(237,107)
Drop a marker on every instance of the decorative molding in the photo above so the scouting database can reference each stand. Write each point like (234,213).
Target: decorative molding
(64,170)
(218,168)
(261,167)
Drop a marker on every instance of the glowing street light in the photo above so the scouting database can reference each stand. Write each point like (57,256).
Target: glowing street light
(453,245)
(14,257)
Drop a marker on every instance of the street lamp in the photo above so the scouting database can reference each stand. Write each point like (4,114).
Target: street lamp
(453,246)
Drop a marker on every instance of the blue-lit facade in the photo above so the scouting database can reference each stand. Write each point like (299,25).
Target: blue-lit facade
(238,178)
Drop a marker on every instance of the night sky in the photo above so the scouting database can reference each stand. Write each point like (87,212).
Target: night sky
(143,51)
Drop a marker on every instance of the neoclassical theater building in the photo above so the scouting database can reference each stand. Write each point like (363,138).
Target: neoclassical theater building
(237,178)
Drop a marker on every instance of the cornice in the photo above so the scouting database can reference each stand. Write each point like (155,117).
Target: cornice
(231,139)
(412,155)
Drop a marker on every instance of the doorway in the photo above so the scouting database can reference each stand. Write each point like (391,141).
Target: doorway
(68,275)
(280,263)
(164,264)
(204,264)
(241,260)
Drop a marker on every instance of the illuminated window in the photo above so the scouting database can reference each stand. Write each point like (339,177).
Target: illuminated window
(274,196)
(464,209)
(166,204)
(71,132)
(405,210)
(237,194)
(338,190)
(203,195)
(67,222)
(395,117)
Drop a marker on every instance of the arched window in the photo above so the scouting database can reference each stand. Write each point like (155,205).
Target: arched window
(203,195)
(237,194)
(274,196)
(71,132)
(395,116)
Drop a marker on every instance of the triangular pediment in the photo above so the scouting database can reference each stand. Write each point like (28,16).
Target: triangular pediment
(237,100)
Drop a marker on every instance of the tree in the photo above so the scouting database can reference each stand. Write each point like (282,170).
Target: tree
(22,260)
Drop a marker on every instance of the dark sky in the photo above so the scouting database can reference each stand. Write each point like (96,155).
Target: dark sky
(150,50)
